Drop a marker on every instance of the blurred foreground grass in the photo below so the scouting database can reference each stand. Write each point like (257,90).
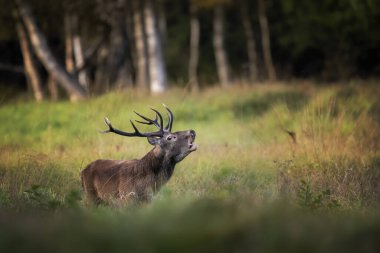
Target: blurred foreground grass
(249,187)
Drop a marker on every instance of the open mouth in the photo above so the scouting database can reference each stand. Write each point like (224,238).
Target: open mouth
(192,145)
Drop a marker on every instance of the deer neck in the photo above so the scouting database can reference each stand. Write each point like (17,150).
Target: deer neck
(158,162)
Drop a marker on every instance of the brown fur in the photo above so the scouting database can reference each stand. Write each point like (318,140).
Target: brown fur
(118,181)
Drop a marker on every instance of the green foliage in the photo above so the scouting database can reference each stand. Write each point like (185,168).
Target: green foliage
(309,199)
(259,104)
(44,198)
(39,197)
(5,199)
(349,22)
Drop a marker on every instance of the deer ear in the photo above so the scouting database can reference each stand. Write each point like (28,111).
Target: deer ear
(154,141)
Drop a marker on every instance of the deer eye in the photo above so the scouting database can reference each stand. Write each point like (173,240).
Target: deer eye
(171,137)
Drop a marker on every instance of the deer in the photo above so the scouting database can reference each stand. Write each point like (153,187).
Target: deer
(138,180)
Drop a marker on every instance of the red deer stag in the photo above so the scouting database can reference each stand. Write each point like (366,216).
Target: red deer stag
(117,181)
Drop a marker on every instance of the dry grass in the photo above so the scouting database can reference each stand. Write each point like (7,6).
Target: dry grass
(245,189)
(244,148)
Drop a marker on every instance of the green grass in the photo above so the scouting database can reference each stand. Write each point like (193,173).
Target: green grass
(249,187)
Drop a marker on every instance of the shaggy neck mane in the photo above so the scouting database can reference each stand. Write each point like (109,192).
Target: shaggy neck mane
(157,161)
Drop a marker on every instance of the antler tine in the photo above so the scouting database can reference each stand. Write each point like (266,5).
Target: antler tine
(108,123)
(161,125)
(147,120)
(171,119)
(137,133)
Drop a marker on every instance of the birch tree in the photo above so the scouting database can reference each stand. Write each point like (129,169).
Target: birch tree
(43,52)
(30,65)
(222,62)
(78,53)
(194,47)
(157,72)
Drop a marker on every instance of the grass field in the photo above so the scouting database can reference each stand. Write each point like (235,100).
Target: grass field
(249,187)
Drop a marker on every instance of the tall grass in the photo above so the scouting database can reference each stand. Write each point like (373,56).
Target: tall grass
(267,156)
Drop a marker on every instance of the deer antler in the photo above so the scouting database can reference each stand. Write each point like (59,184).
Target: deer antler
(171,119)
(137,133)
(169,125)
(150,121)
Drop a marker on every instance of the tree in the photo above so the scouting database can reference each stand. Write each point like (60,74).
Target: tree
(194,47)
(157,72)
(161,19)
(265,40)
(130,32)
(78,52)
(250,39)
(52,88)
(43,52)
(222,63)
(113,67)
(30,65)
(142,77)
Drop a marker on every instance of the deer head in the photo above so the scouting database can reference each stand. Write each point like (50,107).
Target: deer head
(175,146)
(103,180)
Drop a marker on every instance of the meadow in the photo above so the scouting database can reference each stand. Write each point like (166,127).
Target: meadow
(286,167)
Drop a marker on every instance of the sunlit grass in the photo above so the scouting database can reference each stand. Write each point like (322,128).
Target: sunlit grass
(240,132)
(246,164)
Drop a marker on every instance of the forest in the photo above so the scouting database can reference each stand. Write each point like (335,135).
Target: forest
(76,49)
(269,110)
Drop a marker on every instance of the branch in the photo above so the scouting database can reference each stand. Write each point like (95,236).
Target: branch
(12,68)
(89,55)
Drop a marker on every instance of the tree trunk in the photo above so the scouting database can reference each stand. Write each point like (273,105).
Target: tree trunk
(194,48)
(30,65)
(251,44)
(101,84)
(114,68)
(219,49)
(118,64)
(157,72)
(53,88)
(265,40)
(74,52)
(161,19)
(131,47)
(69,55)
(76,92)
(141,47)
(78,53)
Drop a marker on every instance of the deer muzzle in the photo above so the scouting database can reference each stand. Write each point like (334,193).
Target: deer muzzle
(192,145)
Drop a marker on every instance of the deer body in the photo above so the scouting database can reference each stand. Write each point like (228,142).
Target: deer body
(110,181)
